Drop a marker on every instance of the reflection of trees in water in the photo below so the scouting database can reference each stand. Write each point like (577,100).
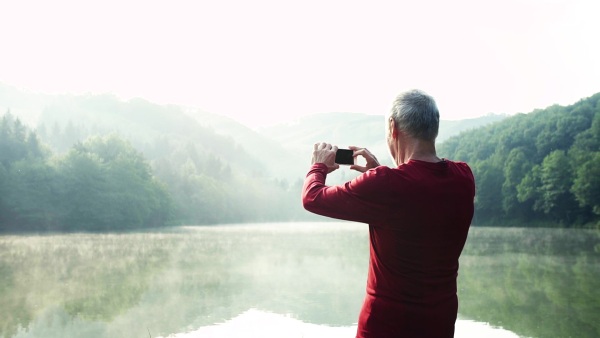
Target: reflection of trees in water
(167,282)
(93,277)
(536,282)
(311,275)
(14,307)
(318,277)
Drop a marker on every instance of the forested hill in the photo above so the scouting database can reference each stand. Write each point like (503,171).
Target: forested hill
(536,168)
(104,183)
(94,162)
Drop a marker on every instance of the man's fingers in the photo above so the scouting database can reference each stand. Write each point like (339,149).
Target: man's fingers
(362,152)
(358,168)
(355,149)
(322,146)
(323,154)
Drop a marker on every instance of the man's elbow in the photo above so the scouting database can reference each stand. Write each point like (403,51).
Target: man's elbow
(309,203)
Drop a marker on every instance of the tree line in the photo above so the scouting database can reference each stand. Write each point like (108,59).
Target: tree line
(531,169)
(94,186)
(102,182)
(538,168)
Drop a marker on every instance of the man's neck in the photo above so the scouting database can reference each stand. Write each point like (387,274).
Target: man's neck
(415,149)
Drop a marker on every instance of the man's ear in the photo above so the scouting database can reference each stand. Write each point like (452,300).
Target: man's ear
(392,128)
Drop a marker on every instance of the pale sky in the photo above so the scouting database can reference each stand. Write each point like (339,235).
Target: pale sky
(263,61)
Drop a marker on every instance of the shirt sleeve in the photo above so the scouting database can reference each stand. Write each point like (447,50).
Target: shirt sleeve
(352,201)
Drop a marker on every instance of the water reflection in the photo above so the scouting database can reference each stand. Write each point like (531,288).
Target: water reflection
(539,283)
(259,324)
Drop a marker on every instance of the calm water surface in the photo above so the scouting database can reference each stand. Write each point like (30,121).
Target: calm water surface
(281,280)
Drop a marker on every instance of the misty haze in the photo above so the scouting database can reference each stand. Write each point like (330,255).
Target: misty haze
(129,218)
(153,156)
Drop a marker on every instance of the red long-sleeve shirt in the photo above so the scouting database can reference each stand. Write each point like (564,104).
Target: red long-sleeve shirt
(419,215)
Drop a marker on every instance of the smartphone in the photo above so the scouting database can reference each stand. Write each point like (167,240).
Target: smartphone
(344,156)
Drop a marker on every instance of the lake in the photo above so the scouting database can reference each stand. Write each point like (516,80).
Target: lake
(281,280)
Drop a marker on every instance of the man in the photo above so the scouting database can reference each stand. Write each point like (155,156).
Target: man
(419,214)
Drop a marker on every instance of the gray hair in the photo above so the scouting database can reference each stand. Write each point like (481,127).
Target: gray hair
(416,113)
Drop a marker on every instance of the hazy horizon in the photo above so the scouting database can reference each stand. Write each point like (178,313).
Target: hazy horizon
(31,117)
(264,62)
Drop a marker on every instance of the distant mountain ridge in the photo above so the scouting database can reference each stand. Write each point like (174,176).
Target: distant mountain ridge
(290,143)
(282,150)
(539,166)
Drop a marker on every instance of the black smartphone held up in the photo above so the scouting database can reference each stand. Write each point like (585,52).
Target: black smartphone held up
(344,156)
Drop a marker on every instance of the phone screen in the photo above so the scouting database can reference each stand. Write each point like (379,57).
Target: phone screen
(344,156)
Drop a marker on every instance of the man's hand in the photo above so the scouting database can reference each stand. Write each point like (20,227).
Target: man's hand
(325,153)
(371,159)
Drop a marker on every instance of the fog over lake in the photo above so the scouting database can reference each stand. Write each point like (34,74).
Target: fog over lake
(153,154)
(281,280)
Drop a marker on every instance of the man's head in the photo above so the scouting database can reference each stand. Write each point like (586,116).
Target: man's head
(415,114)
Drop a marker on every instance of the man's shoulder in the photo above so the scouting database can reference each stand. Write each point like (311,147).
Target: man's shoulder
(460,164)
(381,171)
(463,169)
(383,174)
(374,176)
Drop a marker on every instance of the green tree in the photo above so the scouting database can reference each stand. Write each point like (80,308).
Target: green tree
(488,200)
(548,186)
(5,211)
(109,185)
(528,190)
(7,140)
(31,195)
(84,196)
(515,169)
(586,186)
(23,176)
(556,179)
(533,165)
